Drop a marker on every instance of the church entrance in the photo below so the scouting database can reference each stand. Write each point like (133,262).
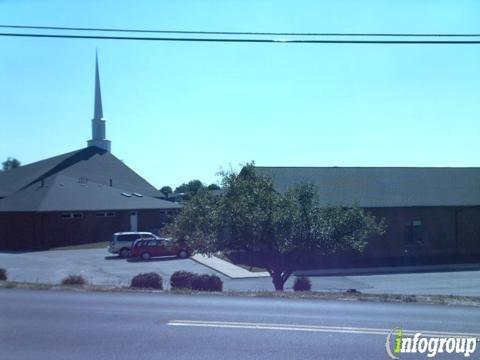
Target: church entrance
(133,221)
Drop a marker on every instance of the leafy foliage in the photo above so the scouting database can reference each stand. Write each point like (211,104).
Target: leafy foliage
(166,190)
(213,187)
(285,227)
(196,225)
(74,280)
(192,187)
(149,280)
(207,283)
(182,280)
(302,283)
(189,280)
(10,163)
(3,274)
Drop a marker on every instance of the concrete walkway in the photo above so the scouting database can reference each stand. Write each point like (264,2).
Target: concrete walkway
(228,269)
(389,270)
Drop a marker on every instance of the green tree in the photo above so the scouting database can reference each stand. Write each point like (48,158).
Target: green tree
(191,188)
(166,190)
(10,163)
(213,187)
(284,229)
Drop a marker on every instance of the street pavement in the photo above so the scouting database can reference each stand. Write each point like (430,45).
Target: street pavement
(90,325)
(100,268)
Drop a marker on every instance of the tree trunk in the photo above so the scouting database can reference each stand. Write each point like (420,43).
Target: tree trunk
(277,280)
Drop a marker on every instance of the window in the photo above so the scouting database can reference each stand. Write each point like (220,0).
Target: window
(83,180)
(162,242)
(76,215)
(415,232)
(105,214)
(129,237)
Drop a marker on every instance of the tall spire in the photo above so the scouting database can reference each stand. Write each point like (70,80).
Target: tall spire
(98,111)
(98,122)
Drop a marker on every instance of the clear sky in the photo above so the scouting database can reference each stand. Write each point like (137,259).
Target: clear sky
(179,111)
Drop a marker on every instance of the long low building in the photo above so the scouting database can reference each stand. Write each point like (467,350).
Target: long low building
(432,214)
(79,197)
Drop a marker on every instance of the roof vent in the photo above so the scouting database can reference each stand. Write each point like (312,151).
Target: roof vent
(126,194)
(138,195)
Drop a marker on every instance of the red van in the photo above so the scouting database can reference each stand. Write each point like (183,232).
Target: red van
(153,247)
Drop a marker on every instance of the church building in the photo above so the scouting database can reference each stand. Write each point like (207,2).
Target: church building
(432,214)
(79,197)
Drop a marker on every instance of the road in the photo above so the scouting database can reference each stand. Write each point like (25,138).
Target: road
(88,325)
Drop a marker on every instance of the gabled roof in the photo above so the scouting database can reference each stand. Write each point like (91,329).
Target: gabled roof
(87,179)
(64,193)
(15,179)
(383,186)
(90,164)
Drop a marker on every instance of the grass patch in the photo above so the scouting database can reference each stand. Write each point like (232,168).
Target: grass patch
(307,295)
(97,245)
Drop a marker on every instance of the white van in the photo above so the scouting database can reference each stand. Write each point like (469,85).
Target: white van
(122,242)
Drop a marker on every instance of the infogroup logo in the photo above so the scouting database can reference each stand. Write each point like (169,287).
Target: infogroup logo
(399,343)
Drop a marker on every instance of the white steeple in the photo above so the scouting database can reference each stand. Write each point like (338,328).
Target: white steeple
(98,122)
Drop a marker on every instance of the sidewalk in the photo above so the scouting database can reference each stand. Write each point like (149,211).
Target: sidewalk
(227,269)
(236,272)
(388,270)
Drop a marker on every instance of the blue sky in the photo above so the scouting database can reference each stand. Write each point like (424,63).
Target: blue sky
(178,111)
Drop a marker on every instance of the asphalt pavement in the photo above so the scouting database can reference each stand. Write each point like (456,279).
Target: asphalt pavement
(101,268)
(87,325)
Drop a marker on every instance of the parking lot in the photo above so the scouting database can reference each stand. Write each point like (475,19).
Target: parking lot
(99,267)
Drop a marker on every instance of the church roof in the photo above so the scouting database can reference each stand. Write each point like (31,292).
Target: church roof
(86,179)
(383,186)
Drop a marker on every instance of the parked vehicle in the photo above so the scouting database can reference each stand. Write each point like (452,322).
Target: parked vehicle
(153,247)
(122,242)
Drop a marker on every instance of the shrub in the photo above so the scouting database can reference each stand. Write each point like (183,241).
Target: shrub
(207,283)
(74,280)
(214,283)
(302,283)
(182,279)
(147,280)
(410,298)
(353,291)
(3,274)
